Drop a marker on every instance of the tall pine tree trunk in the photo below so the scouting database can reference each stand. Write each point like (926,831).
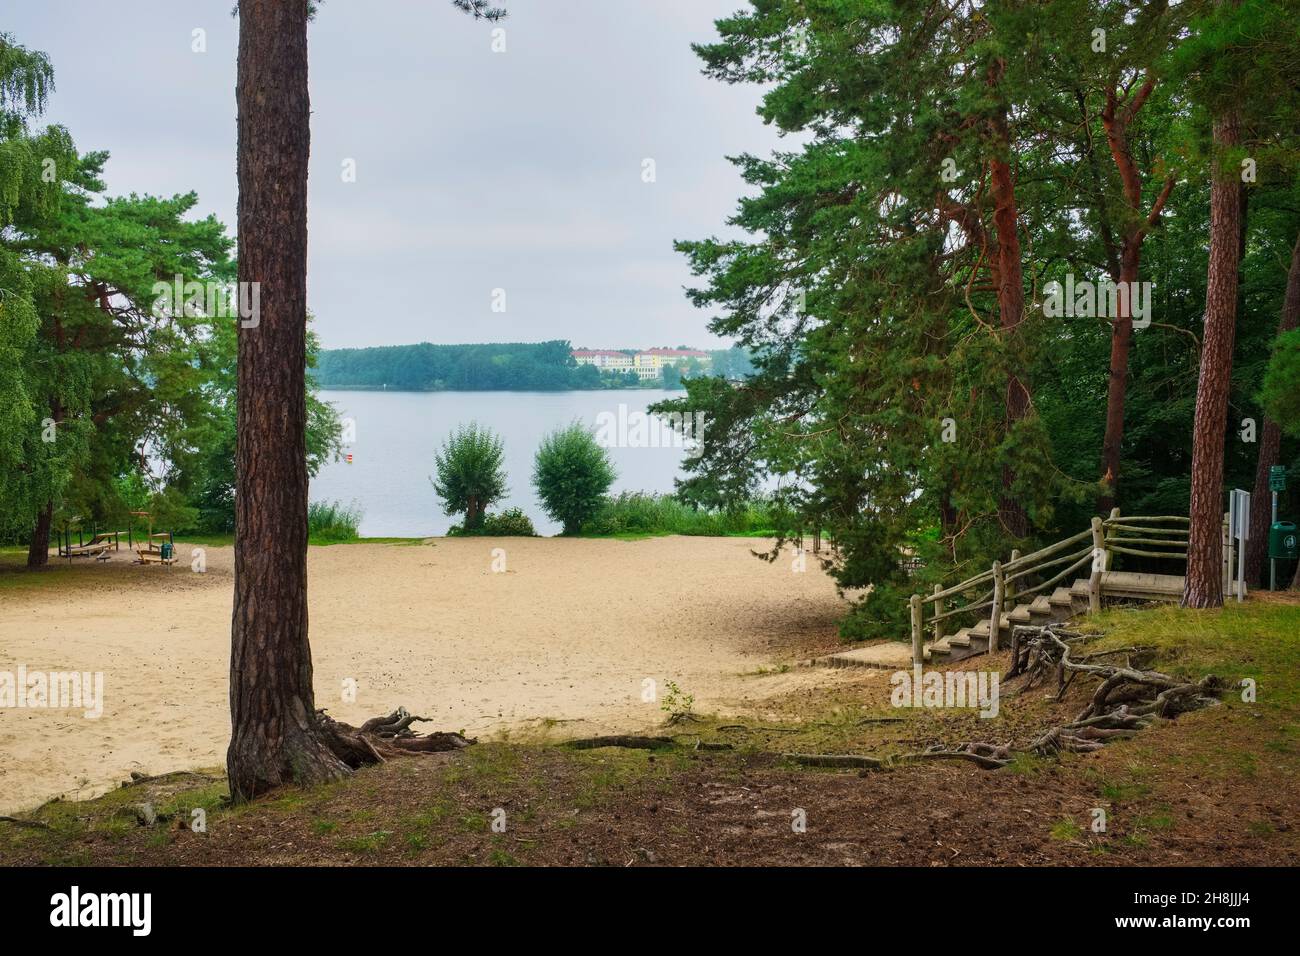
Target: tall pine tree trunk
(1117,118)
(38,549)
(1204,585)
(1121,340)
(1270,442)
(274,734)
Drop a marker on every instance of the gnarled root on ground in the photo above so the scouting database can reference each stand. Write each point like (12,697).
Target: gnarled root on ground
(382,737)
(1127,700)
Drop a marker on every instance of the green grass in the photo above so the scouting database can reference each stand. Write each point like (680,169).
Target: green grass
(1066,830)
(331,521)
(638,515)
(1257,640)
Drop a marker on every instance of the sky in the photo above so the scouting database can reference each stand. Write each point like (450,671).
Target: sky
(475,170)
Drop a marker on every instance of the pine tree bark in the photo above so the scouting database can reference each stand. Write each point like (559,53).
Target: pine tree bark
(1117,118)
(1204,584)
(38,549)
(1270,443)
(275,736)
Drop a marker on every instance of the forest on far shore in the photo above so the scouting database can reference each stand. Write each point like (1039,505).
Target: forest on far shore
(501,366)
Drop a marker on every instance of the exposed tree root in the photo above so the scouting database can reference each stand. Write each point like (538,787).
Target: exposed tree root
(382,737)
(1127,700)
(31,824)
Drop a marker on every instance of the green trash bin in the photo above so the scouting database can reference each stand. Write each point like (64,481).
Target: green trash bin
(1282,543)
(167,549)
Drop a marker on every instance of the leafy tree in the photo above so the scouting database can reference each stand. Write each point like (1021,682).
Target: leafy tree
(1281,391)
(910,393)
(212,477)
(571,473)
(121,379)
(471,474)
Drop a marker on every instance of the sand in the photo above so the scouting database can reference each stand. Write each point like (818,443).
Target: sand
(569,632)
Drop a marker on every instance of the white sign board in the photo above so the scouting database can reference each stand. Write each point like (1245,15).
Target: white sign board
(1239,528)
(1239,514)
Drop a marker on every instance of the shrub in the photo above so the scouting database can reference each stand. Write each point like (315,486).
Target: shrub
(330,521)
(510,523)
(470,473)
(637,512)
(571,474)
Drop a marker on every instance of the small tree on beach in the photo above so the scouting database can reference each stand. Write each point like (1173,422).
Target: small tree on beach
(471,476)
(571,474)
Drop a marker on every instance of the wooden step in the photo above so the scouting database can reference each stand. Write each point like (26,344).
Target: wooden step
(1141,586)
(1061,596)
(1041,605)
(1020,614)
(979,643)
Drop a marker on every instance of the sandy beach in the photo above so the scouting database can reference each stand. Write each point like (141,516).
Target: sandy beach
(570,631)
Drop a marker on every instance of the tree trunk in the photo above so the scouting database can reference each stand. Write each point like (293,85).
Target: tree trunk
(1204,585)
(38,550)
(1121,339)
(1270,443)
(275,738)
(1117,117)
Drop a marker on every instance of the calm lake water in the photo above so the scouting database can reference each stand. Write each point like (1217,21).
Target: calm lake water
(397,432)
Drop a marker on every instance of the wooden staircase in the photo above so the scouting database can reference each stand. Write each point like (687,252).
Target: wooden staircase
(1013,595)
(1061,605)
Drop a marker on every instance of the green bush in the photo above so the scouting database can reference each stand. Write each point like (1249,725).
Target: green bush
(571,474)
(640,513)
(470,473)
(331,521)
(510,523)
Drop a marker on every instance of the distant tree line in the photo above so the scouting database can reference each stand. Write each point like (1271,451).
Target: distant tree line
(502,366)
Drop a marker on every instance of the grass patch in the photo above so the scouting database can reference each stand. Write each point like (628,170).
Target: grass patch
(637,515)
(1066,830)
(330,522)
(1259,640)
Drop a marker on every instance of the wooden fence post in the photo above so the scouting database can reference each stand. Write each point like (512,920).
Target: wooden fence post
(1010,598)
(1098,565)
(995,619)
(938,625)
(918,646)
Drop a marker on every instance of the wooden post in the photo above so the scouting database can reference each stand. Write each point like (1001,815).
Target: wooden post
(938,625)
(1011,585)
(918,646)
(1098,565)
(995,619)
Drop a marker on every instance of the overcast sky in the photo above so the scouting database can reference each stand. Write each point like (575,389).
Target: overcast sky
(475,170)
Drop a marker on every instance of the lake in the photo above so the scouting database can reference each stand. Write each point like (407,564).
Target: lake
(396,434)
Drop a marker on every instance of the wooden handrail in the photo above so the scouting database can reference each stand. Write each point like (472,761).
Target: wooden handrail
(1104,543)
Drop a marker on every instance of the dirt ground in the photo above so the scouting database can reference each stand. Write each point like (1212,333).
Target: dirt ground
(1186,793)
(569,632)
